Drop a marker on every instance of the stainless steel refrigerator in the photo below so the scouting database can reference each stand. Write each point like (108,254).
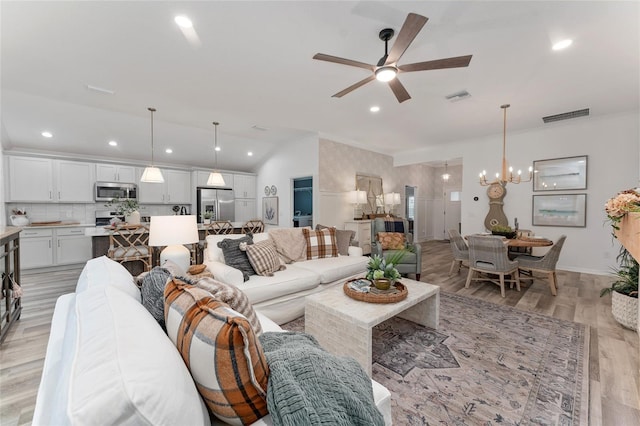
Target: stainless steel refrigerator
(219,202)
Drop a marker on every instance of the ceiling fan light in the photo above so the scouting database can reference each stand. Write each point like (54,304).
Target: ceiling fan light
(152,174)
(386,73)
(215,179)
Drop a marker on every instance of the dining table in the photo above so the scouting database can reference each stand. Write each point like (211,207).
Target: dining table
(523,241)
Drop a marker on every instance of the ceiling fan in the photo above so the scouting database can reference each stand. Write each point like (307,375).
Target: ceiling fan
(387,67)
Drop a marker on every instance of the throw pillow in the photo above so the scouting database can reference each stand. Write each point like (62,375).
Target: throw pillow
(220,349)
(343,238)
(235,257)
(152,292)
(321,244)
(232,296)
(391,240)
(264,258)
(290,244)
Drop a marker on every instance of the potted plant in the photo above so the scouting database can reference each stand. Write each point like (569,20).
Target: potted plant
(505,231)
(382,272)
(127,208)
(207,217)
(624,290)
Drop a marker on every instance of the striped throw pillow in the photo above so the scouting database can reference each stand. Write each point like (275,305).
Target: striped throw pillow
(321,244)
(264,258)
(220,350)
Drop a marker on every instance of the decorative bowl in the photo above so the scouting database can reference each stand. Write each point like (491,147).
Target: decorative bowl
(382,283)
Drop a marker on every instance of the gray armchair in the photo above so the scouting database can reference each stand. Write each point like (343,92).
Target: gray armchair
(411,262)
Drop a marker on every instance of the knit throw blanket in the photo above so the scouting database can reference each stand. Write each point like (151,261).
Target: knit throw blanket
(309,386)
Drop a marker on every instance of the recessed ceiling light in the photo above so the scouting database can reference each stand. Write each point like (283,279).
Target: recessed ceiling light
(168,151)
(47,134)
(217,148)
(374,109)
(562,44)
(183,21)
(249,153)
(113,143)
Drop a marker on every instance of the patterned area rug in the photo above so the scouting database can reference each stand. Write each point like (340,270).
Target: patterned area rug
(486,364)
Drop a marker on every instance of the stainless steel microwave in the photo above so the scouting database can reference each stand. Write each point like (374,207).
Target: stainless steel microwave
(107,191)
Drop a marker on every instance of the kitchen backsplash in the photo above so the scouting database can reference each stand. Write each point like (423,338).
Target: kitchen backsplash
(82,213)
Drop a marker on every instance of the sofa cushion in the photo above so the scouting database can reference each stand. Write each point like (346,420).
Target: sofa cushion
(321,244)
(102,272)
(264,258)
(235,257)
(290,243)
(213,252)
(232,296)
(125,370)
(152,292)
(221,350)
(291,280)
(334,268)
(343,238)
(391,240)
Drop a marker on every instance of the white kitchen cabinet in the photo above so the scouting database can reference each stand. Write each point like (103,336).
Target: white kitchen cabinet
(36,248)
(41,248)
(244,186)
(46,180)
(201,178)
(362,229)
(115,173)
(176,189)
(245,209)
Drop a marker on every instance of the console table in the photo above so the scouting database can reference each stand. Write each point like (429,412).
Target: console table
(10,307)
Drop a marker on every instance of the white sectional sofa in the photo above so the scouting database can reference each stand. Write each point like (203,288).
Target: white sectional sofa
(108,362)
(282,296)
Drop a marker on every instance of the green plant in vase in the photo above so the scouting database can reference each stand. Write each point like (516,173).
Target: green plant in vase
(127,208)
(382,271)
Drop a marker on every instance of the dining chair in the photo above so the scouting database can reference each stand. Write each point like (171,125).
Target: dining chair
(220,227)
(516,251)
(459,249)
(130,243)
(545,264)
(488,255)
(254,226)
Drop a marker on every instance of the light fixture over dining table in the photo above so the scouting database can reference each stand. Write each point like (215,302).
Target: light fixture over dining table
(504,177)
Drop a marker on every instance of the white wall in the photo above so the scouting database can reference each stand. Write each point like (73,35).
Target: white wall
(4,141)
(611,142)
(292,160)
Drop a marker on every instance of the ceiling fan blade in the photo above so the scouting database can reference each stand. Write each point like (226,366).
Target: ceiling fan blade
(410,29)
(399,90)
(335,59)
(456,62)
(354,86)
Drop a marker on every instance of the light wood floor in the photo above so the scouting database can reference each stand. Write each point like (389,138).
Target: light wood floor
(614,380)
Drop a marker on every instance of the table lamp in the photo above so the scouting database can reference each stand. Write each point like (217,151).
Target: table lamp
(173,232)
(357,197)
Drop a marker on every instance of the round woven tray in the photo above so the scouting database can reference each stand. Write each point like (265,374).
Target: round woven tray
(376,298)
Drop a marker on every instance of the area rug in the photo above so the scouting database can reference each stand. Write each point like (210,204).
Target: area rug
(486,364)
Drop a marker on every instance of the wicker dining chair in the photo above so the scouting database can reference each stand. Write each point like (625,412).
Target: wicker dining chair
(130,243)
(545,264)
(254,226)
(459,249)
(488,255)
(220,227)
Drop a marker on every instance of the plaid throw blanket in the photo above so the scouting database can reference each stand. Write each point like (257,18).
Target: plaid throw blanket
(392,224)
(309,386)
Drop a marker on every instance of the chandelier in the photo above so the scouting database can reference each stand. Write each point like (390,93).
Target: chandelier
(505,177)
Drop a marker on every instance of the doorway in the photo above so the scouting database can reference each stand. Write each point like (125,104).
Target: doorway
(303,202)
(410,205)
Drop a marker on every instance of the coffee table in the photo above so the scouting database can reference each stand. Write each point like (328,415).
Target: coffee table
(343,326)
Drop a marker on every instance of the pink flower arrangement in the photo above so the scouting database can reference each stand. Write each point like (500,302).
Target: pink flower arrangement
(623,203)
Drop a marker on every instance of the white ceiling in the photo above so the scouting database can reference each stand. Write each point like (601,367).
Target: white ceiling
(253,66)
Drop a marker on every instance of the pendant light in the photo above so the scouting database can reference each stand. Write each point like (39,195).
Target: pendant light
(215,178)
(152,174)
(445,175)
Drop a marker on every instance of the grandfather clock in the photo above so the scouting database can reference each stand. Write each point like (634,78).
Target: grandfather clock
(496,193)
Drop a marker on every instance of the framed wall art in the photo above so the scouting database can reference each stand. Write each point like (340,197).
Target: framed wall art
(560,174)
(560,210)
(270,210)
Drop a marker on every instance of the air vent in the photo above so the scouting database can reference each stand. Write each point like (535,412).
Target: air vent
(458,96)
(566,115)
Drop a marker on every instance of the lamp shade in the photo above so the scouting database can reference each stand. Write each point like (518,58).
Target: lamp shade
(215,179)
(396,198)
(172,230)
(152,175)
